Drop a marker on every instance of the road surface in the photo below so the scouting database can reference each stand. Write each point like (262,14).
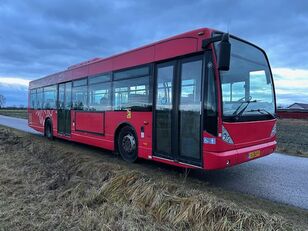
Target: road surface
(20,124)
(276,177)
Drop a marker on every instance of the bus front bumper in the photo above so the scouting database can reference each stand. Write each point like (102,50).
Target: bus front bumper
(219,160)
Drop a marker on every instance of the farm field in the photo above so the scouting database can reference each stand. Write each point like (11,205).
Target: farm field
(18,113)
(60,185)
(292,137)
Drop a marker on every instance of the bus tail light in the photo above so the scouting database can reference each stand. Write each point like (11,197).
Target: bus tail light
(274,130)
(226,137)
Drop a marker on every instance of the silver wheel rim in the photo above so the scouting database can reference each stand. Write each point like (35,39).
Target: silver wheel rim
(129,143)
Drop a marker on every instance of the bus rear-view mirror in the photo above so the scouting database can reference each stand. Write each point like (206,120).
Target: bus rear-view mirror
(224,47)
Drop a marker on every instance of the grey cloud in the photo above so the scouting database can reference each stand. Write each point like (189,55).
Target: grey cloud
(288,99)
(15,94)
(41,37)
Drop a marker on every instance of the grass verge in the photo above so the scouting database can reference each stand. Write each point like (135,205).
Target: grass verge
(55,185)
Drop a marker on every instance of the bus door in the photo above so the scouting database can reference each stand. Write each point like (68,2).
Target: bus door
(177,111)
(64,108)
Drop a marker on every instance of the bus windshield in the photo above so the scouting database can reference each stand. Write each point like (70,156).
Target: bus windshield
(247,88)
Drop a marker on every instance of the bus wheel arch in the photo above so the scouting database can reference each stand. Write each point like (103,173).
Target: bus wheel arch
(126,142)
(48,128)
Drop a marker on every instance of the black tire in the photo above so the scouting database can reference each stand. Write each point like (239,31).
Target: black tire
(127,144)
(49,130)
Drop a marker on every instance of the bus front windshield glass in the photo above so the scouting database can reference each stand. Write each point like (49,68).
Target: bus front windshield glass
(247,88)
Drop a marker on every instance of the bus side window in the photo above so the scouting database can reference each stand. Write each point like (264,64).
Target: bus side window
(80,94)
(39,98)
(50,95)
(32,99)
(99,97)
(131,89)
(131,93)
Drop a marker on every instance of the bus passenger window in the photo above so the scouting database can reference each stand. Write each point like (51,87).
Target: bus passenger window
(132,93)
(50,96)
(80,95)
(99,97)
(164,88)
(33,99)
(39,98)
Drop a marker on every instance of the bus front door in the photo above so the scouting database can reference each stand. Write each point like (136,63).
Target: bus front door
(64,108)
(177,112)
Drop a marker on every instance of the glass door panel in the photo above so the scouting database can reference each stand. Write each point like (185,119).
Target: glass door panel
(190,109)
(61,112)
(64,108)
(163,109)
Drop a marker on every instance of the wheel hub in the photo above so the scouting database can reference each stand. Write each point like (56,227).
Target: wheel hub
(129,143)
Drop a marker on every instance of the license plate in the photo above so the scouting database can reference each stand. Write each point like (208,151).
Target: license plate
(254,154)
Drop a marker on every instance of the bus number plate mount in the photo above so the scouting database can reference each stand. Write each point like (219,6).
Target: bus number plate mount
(254,154)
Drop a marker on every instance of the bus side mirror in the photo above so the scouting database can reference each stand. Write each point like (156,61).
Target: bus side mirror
(224,47)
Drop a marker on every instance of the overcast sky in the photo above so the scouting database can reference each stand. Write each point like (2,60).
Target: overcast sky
(38,38)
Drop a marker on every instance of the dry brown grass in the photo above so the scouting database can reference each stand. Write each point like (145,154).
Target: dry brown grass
(45,187)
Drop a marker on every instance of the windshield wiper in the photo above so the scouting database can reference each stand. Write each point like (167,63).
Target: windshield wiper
(261,112)
(237,114)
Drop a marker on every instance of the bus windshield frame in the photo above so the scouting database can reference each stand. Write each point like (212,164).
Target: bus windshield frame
(247,88)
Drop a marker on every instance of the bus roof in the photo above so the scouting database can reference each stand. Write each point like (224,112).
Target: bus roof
(178,45)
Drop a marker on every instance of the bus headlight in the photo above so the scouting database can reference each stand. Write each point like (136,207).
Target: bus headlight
(274,130)
(225,136)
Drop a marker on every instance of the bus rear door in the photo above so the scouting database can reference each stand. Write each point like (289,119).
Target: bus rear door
(64,108)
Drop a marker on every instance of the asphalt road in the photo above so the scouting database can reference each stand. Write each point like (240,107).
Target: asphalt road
(20,124)
(277,177)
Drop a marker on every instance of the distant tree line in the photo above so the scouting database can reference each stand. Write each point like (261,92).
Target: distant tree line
(3,102)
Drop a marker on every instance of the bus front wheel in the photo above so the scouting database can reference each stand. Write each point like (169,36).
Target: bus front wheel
(127,144)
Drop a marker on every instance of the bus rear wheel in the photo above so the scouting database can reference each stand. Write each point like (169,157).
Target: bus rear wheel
(48,129)
(128,144)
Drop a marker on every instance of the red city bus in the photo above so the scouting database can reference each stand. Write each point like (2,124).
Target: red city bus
(202,99)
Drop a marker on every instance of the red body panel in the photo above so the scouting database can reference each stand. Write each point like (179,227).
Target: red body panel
(99,128)
(247,137)
(93,122)
(219,160)
(250,133)
(37,118)
(171,48)
(88,132)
